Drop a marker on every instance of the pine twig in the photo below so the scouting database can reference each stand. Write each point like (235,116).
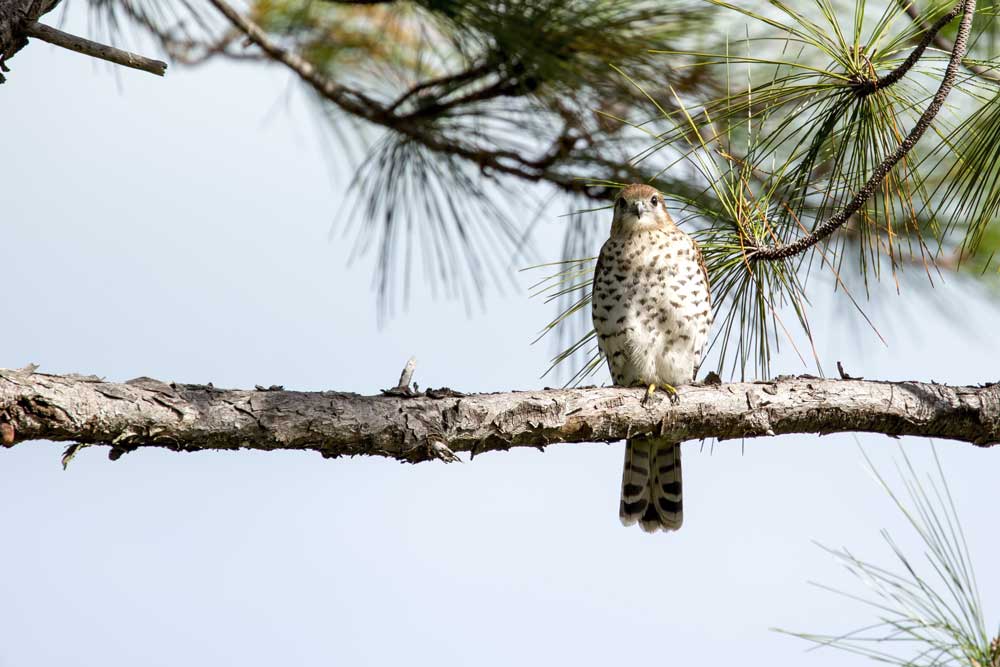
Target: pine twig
(94,49)
(985,73)
(358,104)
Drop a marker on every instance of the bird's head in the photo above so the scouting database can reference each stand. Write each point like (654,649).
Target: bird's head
(638,208)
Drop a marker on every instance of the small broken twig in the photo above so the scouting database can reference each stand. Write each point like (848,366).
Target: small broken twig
(407,375)
(844,375)
(403,387)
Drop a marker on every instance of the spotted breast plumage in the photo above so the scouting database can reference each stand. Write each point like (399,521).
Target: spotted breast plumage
(652,313)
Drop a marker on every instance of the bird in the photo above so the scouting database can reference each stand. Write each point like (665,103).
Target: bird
(652,311)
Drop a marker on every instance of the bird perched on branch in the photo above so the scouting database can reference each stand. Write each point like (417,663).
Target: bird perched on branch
(652,311)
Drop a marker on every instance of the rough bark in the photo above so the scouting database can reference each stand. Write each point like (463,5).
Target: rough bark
(150,413)
(14,14)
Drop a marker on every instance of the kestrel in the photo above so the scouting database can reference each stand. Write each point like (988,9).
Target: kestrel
(652,311)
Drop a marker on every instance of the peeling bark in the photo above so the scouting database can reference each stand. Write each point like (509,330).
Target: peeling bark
(149,413)
(14,15)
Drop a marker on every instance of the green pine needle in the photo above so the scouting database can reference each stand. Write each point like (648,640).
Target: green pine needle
(929,612)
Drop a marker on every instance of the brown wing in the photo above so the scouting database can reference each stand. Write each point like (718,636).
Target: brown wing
(704,269)
(597,272)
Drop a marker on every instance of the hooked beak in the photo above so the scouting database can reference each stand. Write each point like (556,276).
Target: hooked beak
(638,207)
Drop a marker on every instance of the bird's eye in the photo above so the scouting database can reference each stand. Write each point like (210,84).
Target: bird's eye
(654,200)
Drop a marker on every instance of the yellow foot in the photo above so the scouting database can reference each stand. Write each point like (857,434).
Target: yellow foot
(669,389)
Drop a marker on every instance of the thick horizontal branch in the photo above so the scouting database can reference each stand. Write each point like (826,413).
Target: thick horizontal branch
(150,413)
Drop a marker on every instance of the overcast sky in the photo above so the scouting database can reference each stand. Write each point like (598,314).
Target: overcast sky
(180,228)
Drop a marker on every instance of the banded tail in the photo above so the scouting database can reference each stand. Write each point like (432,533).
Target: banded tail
(651,485)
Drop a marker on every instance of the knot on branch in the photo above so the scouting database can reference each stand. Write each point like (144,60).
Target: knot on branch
(768,253)
(757,419)
(431,448)
(863,86)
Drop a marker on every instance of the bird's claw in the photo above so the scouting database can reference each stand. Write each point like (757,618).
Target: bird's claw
(670,390)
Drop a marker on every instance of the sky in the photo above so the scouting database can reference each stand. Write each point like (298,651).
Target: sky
(180,228)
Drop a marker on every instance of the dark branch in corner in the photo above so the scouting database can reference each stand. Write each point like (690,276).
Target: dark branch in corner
(968,9)
(144,412)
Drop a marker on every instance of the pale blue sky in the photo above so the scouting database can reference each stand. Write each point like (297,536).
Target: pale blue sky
(179,228)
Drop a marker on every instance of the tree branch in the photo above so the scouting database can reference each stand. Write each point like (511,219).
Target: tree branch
(18,22)
(930,35)
(985,73)
(447,82)
(968,9)
(94,49)
(350,100)
(149,413)
(409,125)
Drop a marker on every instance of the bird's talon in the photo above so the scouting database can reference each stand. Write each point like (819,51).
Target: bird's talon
(650,390)
(670,390)
(672,393)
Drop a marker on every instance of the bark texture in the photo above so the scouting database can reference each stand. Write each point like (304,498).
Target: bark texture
(14,15)
(433,425)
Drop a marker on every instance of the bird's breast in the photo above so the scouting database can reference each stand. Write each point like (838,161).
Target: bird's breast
(651,308)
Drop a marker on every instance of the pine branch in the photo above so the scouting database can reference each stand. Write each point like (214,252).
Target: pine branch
(868,87)
(417,427)
(985,73)
(94,49)
(419,125)
(968,9)
(350,100)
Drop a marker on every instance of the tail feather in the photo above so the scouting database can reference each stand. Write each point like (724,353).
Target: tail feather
(651,485)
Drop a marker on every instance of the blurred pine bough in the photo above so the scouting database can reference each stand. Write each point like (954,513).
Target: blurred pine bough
(761,120)
(929,609)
